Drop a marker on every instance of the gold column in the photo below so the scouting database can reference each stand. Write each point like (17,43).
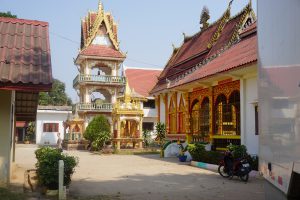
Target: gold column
(211,115)
(187,118)
(118,134)
(166,112)
(158,107)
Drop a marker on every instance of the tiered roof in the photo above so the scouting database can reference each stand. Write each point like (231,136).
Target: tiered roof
(90,28)
(212,50)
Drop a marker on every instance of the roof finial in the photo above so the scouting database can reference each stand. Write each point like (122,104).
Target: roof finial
(229,6)
(100,6)
(173,45)
(204,18)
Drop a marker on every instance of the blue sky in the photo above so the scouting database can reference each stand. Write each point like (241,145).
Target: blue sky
(147,29)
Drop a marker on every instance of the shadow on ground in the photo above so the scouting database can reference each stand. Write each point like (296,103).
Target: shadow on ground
(170,186)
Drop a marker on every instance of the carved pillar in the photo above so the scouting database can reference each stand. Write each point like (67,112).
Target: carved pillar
(188,117)
(211,114)
(118,134)
(176,108)
(157,100)
(166,112)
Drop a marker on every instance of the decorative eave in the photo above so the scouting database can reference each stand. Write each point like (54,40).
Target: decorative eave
(222,22)
(92,30)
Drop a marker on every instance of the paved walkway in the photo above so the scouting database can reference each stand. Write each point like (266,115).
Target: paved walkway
(148,177)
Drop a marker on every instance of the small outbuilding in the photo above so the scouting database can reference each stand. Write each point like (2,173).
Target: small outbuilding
(25,70)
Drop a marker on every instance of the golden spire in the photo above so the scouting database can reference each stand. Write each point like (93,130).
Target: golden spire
(100,6)
(127,95)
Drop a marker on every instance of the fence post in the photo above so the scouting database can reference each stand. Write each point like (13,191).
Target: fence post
(61,190)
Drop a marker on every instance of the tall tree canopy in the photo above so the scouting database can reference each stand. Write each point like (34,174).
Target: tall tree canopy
(56,97)
(7,14)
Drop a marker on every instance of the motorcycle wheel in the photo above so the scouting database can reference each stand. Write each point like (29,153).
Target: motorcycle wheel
(245,177)
(221,171)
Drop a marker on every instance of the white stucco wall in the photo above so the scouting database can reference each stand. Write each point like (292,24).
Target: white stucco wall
(162,110)
(250,139)
(5,136)
(50,116)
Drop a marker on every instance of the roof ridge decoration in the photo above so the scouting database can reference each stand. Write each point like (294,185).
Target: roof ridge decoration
(246,12)
(222,22)
(93,28)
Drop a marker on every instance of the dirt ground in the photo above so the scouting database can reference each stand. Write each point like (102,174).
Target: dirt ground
(137,177)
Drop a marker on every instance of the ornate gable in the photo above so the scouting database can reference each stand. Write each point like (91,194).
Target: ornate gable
(99,29)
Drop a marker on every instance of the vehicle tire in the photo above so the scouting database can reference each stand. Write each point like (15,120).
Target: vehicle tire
(221,171)
(244,177)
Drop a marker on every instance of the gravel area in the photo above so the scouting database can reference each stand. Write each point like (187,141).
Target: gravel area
(145,177)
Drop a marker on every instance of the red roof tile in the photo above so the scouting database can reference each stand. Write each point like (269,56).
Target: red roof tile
(142,80)
(240,54)
(195,51)
(101,51)
(24,53)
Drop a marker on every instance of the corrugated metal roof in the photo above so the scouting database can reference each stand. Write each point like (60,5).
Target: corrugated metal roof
(24,54)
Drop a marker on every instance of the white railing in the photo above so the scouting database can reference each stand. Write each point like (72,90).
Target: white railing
(105,107)
(99,79)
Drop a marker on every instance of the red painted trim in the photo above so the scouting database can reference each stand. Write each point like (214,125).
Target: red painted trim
(26,87)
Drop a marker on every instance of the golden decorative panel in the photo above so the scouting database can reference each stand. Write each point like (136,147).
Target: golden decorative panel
(226,89)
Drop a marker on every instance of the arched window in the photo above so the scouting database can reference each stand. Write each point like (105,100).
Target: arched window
(227,115)
(220,114)
(195,117)
(234,106)
(181,117)
(204,117)
(172,117)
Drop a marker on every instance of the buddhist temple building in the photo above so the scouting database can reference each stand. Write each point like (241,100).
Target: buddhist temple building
(207,91)
(103,88)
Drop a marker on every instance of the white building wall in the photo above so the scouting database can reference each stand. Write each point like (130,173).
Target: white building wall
(50,116)
(250,139)
(162,110)
(5,136)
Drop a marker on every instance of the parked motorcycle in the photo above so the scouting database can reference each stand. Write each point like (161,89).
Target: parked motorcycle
(230,167)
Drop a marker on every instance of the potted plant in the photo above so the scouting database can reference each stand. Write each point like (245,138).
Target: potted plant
(26,139)
(182,157)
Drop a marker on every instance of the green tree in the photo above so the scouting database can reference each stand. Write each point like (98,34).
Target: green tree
(160,136)
(56,97)
(98,132)
(7,14)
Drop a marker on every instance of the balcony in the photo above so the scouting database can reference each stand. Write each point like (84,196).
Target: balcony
(93,107)
(96,79)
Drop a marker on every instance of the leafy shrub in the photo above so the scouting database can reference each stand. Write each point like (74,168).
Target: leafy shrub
(98,132)
(47,167)
(196,150)
(146,137)
(238,151)
(199,154)
(160,132)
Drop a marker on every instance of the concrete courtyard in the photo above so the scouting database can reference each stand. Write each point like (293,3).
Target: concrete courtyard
(146,177)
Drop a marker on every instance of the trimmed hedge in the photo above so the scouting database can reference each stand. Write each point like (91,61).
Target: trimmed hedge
(199,154)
